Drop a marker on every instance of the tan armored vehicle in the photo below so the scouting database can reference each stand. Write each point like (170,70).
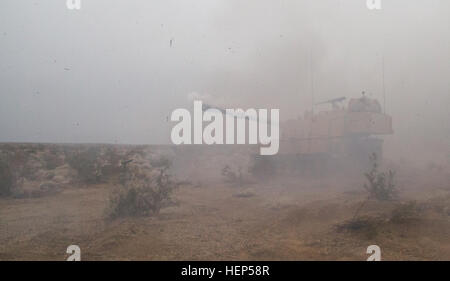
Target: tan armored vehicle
(326,141)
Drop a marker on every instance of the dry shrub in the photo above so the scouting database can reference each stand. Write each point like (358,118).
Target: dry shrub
(407,212)
(380,184)
(87,164)
(365,226)
(144,192)
(161,163)
(232,177)
(111,166)
(27,191)
(440,205)
(7,178)
(52,160)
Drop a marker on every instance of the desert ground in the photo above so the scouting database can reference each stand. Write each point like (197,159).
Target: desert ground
(211,218)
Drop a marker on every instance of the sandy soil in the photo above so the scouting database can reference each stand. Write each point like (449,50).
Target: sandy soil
(283,219)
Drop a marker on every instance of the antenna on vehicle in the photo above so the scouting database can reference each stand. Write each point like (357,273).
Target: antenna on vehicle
(382,79)
(311,74)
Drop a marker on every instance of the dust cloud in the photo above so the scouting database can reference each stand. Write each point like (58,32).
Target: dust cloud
(85,152)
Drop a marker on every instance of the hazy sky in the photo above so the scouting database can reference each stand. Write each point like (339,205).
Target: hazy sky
(114,70)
